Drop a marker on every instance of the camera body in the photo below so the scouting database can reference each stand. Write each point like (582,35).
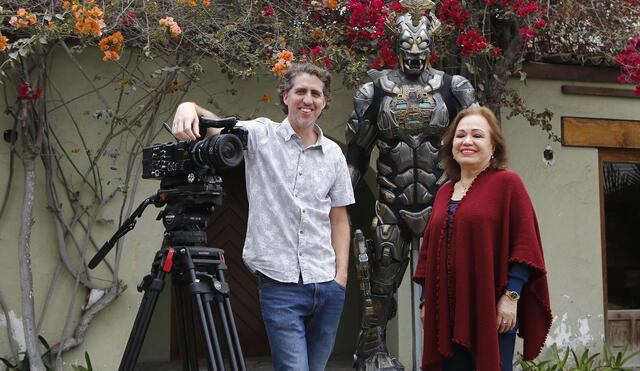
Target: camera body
(168,160)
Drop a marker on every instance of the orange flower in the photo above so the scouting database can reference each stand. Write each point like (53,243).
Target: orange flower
(286,55)
(111,46)
(318,34)
(331,4)
(3,42)
(173,27)
(174,86)
(206,2)
(281,66)
(266,98)
(192,2)
(65,5)
(23,20)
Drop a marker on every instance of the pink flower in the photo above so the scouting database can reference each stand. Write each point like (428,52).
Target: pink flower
(13,21)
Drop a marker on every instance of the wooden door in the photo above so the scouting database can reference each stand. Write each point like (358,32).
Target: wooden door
(620,211)
(227,230)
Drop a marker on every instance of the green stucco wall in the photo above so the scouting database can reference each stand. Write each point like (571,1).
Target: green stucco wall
(567,200)
(565,195)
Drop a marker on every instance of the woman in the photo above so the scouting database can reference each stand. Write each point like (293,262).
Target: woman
(481,262)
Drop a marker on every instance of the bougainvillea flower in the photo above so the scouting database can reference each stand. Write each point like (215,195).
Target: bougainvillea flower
(3,42)
(25,92)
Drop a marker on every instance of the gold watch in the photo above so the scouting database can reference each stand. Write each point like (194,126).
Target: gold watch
(512,295)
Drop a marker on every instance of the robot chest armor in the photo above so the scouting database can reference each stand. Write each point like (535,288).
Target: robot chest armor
(413,107)
(409,112)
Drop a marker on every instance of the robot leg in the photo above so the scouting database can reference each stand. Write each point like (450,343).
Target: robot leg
(380,271)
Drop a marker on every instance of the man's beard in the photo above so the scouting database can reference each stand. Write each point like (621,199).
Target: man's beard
(305,124)
(302,124)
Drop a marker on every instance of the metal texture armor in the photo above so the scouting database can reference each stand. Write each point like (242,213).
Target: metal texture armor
(404,113)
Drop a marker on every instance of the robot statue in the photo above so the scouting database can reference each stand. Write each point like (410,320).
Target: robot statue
(404,112)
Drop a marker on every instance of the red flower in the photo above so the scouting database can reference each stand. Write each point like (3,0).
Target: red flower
(25,92)
(452,13)
(268,11)
(433,58)
(396,6)
(540,23)
(128,18)
(327,62)
(629,60)
(527,33)
(367,19)
(471,42)
(316,50)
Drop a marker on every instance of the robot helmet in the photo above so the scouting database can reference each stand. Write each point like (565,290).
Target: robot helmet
(412,36)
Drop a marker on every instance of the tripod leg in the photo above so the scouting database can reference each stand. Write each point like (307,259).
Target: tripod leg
(210,333)
(198,289)
(231,332)
(152,286)
(185,325)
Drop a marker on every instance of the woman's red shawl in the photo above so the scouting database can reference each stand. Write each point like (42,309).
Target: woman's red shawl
(493,225)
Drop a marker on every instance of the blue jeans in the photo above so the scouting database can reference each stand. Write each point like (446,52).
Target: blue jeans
(301,322)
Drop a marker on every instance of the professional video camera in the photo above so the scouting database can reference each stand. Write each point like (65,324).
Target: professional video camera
(175,159)
(189,190)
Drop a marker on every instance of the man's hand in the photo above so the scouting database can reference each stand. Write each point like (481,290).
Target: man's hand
(507,314)
(340,239)
(186,123)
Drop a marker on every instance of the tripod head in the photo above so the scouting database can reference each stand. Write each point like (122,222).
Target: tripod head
(189,186)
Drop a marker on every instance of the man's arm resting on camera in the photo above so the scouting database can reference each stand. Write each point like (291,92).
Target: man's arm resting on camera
(340,232)
(186,124)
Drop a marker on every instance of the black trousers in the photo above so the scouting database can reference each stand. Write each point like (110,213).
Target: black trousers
(462,359)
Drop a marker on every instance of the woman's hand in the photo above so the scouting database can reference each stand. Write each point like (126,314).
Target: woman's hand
(422,314)
(507,314)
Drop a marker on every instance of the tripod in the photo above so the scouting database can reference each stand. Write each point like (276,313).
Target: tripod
(197,274)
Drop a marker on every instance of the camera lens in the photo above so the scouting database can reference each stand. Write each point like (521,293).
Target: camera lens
(219,152)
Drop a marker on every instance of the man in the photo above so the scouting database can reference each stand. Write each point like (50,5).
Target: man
(297,241)
(404,112)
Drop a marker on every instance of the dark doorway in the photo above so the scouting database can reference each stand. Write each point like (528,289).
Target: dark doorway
(620,205)
(227,230)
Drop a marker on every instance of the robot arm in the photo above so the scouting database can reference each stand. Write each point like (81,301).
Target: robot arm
(464,92)
(361,132)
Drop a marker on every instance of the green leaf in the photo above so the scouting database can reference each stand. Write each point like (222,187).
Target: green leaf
(86,357)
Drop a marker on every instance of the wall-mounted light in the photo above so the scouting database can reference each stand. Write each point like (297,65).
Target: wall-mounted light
(10,136)
(548,156)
